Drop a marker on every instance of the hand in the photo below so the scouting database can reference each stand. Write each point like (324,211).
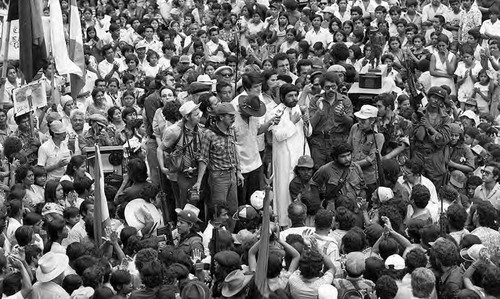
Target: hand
(196,186)
(476,89)
(240,178)
(196,256)
(113,237)
(425,122)
(274,120)
(62,163)
(15,262)
(363,204)
(295,117)
(147,216)
(164,170)
(387,224)
(220,48)
(2,81)
(15,164)
(307,89)
(115,66)
(305,117)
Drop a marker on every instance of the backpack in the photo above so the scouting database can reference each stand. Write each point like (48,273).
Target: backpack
(350,290)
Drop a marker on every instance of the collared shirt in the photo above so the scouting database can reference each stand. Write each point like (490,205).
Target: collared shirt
(414,19)
(489,237)
(364,149)
(325,120)
(493,196)
(429,12)
(154,45)
(218,150)
(105,67)
(48,290)
(219,55)
(322,35)
(49,154)
(328,176)
(246,143)
(469,20)
(462,154)
(450,283)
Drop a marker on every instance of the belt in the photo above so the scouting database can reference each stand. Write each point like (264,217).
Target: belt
(323,135)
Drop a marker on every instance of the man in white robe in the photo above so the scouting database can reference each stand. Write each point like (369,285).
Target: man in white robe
(289,143)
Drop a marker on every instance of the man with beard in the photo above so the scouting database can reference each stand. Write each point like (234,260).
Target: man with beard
(431,134)
(331,118)
(289,143)
(366,144)
(340,176)
(396,130)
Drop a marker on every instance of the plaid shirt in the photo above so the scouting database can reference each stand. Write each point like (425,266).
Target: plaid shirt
(218,150)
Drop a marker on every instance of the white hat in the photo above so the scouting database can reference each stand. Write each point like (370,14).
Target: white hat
(204,79)
(52,207)
(57,127)
(384,194)
(475,251)
(337,68)
(396,261)
(257,199)
(50,266)
(221,68)
(65,99)
(328,9)
(327,291)
(367,111)
(187,108)
(141,44)
(471,115)
(135,210)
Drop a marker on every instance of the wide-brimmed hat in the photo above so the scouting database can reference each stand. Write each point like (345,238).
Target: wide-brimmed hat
(328,9)
(197,87)
(225,108)
(189,213)
(204,79)
(188,107)
(195,290)
(52,207)
(184,59)
(57,127)
(246,212)
(99,118)
(458,179)
(135,212)
(235,282)
(252,105)
(141,44)
(50,266)
(221,68)
(367,111)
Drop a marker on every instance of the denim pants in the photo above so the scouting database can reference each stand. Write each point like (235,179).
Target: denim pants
(223,189)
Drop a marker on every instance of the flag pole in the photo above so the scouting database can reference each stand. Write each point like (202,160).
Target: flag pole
(5,55)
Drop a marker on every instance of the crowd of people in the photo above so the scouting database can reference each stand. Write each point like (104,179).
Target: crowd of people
(215,113)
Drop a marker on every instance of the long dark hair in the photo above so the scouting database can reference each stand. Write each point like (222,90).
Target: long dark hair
(54,228)
(50,191)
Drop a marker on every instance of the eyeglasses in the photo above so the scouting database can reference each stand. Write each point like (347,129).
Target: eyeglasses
(323,3)
(328,87)
(227,75)
(485,172)
(250,107)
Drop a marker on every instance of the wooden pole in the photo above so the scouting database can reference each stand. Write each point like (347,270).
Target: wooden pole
(6,32)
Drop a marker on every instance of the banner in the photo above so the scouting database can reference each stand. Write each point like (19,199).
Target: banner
(36,90)
(13,43)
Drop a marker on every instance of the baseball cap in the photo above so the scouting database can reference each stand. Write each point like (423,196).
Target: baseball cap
(396,261)
(188,107)
(437,91)
(305,161)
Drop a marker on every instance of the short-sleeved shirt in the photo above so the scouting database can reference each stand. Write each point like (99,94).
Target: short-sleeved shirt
(302,288)
(50,154)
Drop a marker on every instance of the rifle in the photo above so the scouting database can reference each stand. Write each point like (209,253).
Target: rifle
(415,96)
(380,169)
(167,230)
